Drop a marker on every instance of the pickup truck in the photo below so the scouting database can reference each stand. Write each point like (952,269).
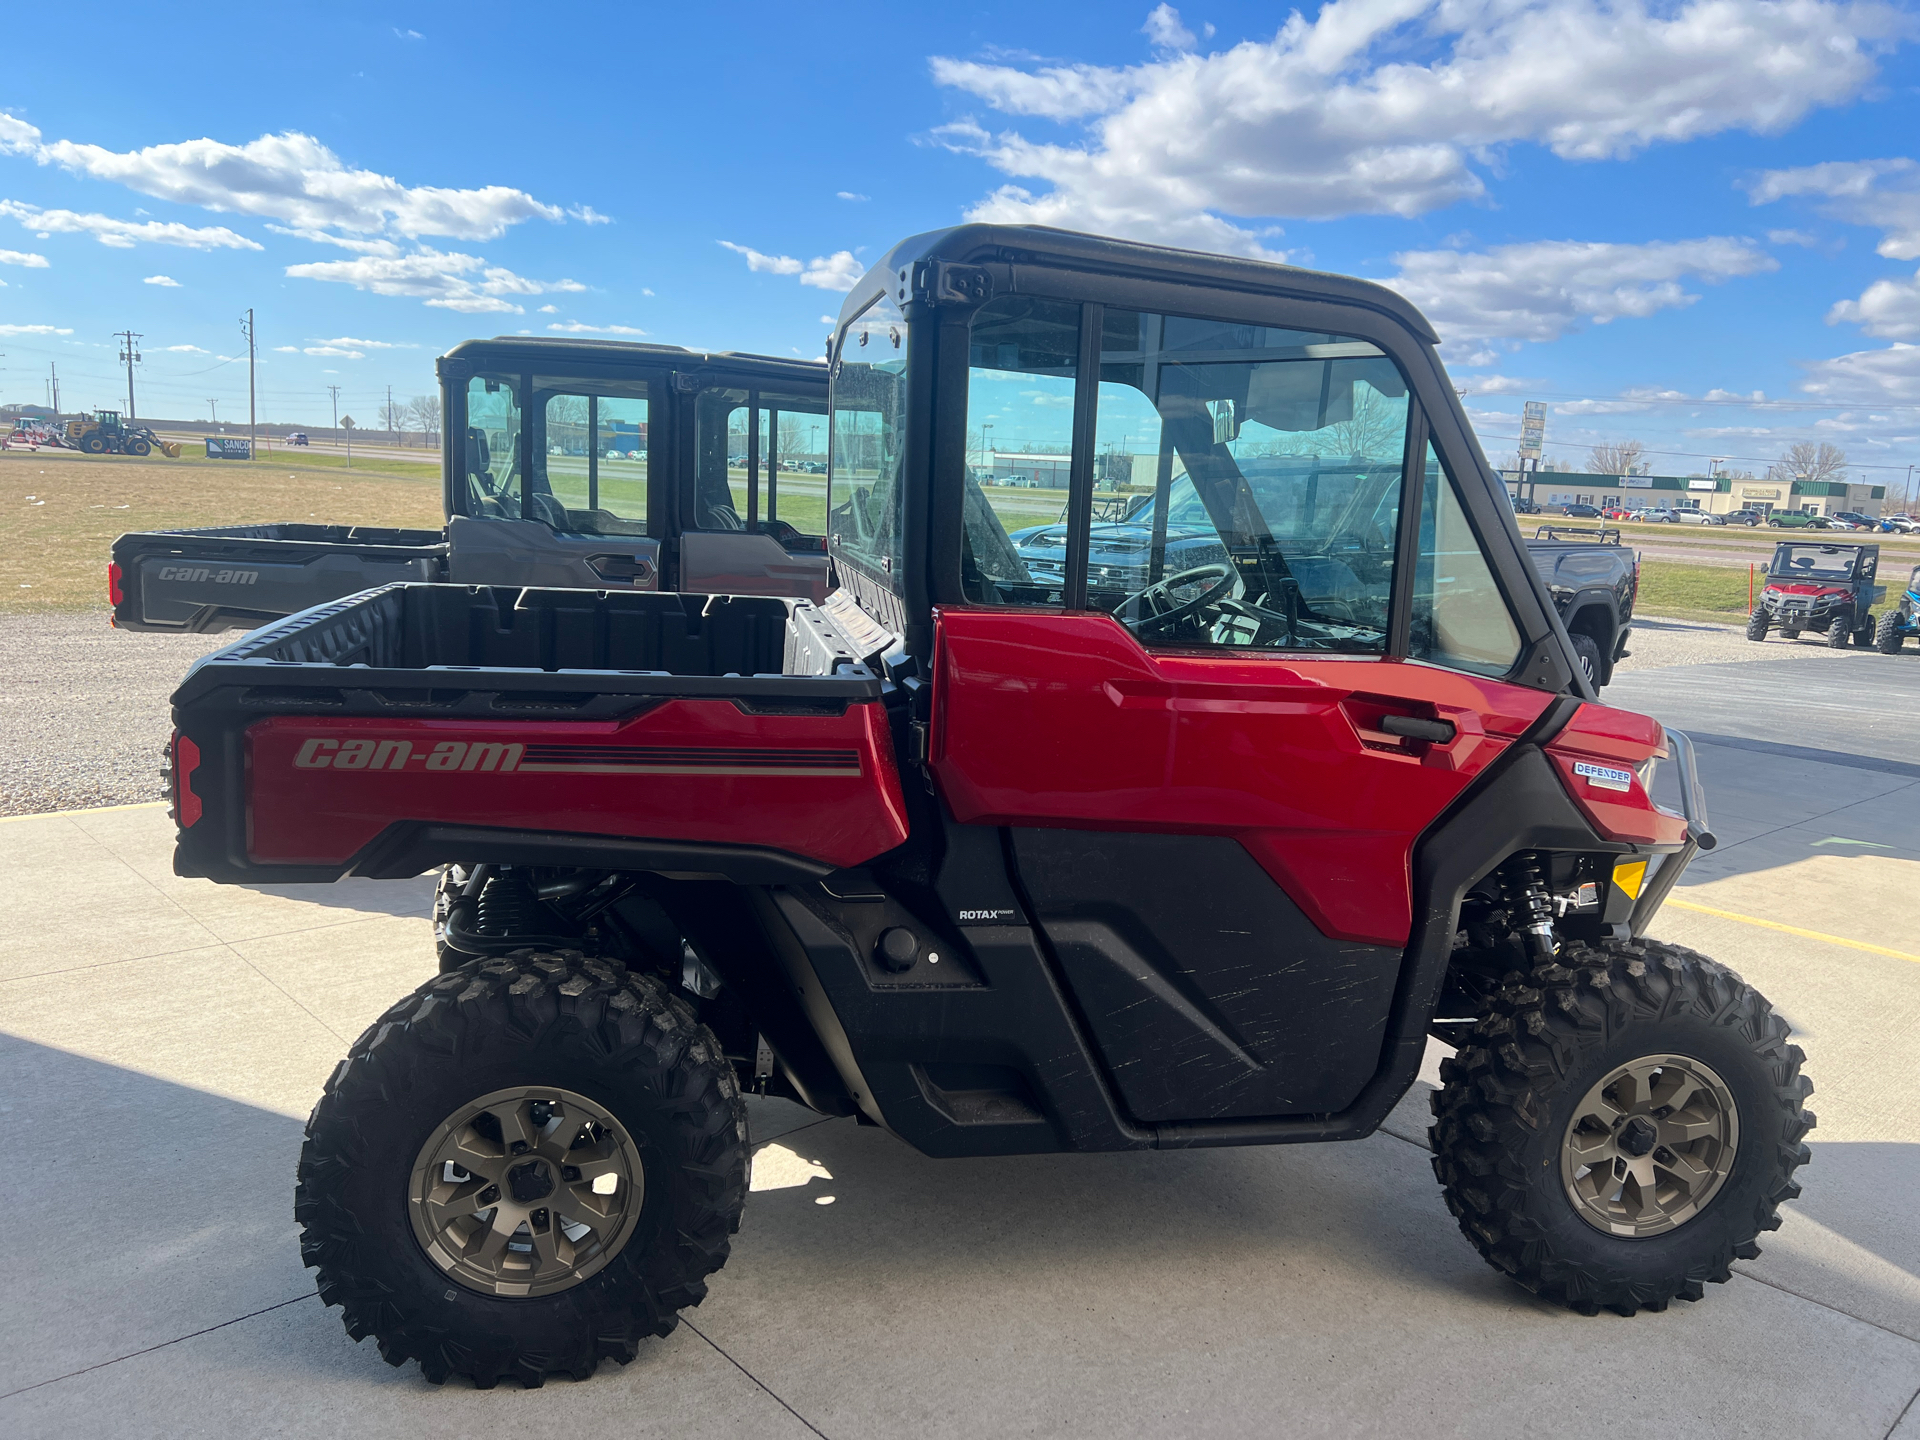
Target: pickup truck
(1000,865)
(568,463)
(1593,580)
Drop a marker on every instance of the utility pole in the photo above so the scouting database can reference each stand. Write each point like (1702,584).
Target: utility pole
(53,387)
(213,408)
(334,390)
(246,328)
(129,357)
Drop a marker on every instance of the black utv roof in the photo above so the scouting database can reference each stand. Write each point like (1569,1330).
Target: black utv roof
(535,351)
(1042,245)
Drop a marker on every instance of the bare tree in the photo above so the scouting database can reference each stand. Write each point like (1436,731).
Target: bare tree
(1808,461)
(424,412)
(1615,457)
(1376,427)
(393,417)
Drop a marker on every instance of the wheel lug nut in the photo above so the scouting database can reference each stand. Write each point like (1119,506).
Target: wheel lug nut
(490,1195)
(569,1173)
(520,1147)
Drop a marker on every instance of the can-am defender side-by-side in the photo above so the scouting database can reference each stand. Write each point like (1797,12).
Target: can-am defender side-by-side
(1007,861)
(1827,589)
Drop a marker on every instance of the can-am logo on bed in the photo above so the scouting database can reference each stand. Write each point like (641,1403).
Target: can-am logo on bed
(503,757)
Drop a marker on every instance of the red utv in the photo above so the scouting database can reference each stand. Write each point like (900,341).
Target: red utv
(1007,858)
(1828,589)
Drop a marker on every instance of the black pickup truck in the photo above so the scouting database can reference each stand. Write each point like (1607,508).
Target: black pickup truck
(1593,580)
(568,463)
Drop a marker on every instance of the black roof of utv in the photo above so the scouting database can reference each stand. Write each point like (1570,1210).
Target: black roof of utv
(533,351)
(1041,245)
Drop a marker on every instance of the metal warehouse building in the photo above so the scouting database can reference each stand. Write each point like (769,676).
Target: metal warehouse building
(1717,495)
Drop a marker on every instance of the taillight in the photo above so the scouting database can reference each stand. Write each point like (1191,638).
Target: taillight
(186,804)
(1605,760)
(113,584)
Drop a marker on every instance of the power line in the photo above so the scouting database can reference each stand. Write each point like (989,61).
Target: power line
(130,357)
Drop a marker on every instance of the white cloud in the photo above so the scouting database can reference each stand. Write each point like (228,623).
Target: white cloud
(333,352)
(587,215)
(574,327)
(23,257)
(1498,385)
(1887,308)
(164,280)
(838,271)
(444,280)
(645,291)
(1792,237)
(1164,30)
(124,234)
(1753,397)
(345,242)
(185,350)
(287,349)
(1388,106)
(407,34)
(1891,375)
(1540,290)
(1884,194)
(850,195)
(826,320)
(351,343)
(549,309)
(292,178)
(10,330)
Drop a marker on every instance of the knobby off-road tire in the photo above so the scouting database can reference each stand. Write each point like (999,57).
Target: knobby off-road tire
(1887,638)
(1758,623)
(1838,633)
(1587,650)
(548,1021)
(1512,1098)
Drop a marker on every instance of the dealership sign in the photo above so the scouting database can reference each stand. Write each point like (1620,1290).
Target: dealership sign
(221,447)
(1703,485)
(1636,482)
(1760,492)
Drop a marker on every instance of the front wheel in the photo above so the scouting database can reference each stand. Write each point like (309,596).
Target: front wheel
(1863,637)
(1758,624)
(1587,651)
(1621,1125)
(523,1169)
(1887,639)
(1838,632)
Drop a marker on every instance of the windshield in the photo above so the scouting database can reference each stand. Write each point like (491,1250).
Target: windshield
(1815,562)
(865,501)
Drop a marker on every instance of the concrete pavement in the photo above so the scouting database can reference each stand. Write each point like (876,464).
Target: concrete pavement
(161,1041)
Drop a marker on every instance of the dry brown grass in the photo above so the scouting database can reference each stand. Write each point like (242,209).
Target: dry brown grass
(65,511)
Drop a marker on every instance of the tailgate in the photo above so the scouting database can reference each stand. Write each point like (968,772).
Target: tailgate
(241,576)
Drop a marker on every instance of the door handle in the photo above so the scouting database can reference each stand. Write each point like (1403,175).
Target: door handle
(1412,727)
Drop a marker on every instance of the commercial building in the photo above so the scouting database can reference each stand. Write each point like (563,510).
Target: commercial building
(1717,495)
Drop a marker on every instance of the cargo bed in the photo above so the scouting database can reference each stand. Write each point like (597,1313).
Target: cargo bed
(234,577)
(384,733)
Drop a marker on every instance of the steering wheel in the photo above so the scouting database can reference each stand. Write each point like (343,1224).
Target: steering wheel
(1160,593)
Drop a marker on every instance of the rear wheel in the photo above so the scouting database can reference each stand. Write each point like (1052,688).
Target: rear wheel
(564,1172)
(1758,623)
(1863,637)
(1837,633)
(1587,651)
(453,880)
(1887,638)
(1621,1125)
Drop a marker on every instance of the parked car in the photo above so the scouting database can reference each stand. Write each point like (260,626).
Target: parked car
(1745,517)
(1902,524)
(1658,515)
(1798,520)
(1580,512)
(1689,516)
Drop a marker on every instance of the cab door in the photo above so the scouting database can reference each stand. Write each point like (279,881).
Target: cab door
(1215,729)
(755,512)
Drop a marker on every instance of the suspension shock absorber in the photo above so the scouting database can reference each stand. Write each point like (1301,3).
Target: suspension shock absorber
(507,906)
(1527,894)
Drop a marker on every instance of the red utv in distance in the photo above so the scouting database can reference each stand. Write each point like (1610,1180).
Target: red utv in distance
(1828,589)
(1007,852)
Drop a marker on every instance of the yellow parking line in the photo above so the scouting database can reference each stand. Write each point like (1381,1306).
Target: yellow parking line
(1795,930)
(87,810)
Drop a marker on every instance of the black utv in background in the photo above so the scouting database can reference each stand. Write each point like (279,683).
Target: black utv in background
(573,463)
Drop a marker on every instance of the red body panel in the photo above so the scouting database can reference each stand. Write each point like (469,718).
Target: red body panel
(1604,739)
(319,788)
(1808,589)
(1066,720)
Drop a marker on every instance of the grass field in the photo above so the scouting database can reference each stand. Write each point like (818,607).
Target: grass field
(1692,592)
(67,509)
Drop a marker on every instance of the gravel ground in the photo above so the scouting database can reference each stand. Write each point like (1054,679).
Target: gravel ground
(84,717)
(83,712)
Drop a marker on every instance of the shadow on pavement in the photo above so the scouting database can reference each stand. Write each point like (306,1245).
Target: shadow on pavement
(369,897)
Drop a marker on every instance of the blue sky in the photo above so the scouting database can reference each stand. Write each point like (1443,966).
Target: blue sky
(1642,215)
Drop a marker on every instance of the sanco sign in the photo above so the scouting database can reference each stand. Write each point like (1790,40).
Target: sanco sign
(222,447)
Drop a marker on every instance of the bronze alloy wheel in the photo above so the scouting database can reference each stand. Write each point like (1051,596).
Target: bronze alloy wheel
(526,1191)
(1649,1146)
